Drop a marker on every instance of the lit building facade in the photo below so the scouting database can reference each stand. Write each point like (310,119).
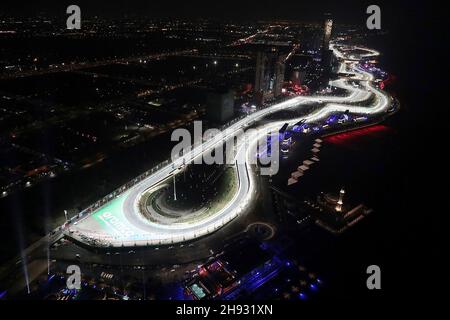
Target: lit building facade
(270,70)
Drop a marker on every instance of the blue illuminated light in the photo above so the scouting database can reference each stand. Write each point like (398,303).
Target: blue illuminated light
(331,119)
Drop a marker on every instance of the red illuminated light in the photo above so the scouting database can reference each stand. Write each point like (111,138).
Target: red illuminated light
(347,136)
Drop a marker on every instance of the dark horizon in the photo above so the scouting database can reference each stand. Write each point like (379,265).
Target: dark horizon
(252,10)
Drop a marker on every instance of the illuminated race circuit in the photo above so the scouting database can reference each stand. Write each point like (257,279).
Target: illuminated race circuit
(119,221)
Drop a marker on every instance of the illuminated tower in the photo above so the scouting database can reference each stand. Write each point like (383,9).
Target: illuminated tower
(340,201)
(327,54)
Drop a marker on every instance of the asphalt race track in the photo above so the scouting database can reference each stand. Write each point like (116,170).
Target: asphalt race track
(120,223)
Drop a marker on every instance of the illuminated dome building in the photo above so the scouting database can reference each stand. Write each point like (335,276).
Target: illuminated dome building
(336,214)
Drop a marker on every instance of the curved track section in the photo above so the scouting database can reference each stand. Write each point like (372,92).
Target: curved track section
(120,223)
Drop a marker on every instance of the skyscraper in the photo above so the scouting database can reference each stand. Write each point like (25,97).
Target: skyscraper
(270,69)
(327,54)
(327,28)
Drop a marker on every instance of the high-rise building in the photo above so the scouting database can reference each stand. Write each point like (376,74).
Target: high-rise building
(270,69)
(327,28)
(328,60)
(327,55)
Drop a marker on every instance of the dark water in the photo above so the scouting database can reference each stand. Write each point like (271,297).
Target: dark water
(393,175)
(366,162)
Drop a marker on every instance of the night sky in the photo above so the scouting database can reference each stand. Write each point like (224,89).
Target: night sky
(344,10)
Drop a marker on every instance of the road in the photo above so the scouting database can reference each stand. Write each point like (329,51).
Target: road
(120,223)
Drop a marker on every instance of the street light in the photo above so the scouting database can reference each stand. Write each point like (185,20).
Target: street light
(65,214)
